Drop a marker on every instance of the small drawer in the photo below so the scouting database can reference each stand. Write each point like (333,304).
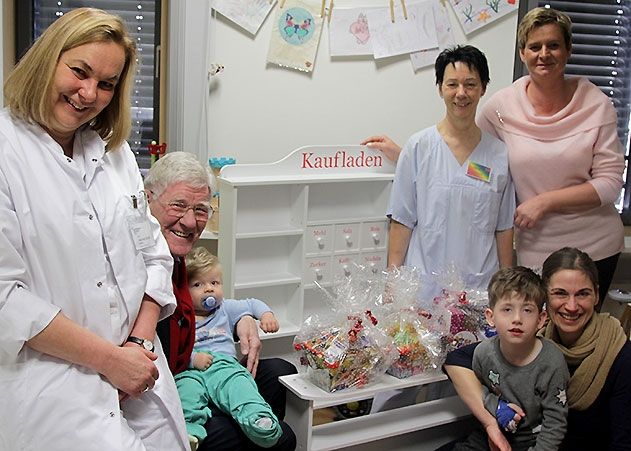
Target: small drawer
(319,239)
(376,261)
(344,265)
(374,235)
(317,269)
(347,237)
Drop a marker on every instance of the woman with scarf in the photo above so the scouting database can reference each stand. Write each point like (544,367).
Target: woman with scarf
(597,353)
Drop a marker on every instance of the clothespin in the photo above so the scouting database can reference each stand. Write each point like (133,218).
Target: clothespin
(323,8)
(403,7)
(281,5)
(330,10)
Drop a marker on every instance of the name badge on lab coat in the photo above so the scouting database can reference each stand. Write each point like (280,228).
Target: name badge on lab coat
(138,222)
(140,231)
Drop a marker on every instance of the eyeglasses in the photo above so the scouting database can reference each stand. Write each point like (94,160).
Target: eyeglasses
(176,209)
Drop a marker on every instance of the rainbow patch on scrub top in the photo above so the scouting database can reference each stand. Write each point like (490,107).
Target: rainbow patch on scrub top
(479,171)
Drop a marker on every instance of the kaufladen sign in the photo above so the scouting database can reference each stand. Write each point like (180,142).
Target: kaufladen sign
(341,160)
(328,160)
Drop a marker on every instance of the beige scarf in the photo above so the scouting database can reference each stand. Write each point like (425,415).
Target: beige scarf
(593,353)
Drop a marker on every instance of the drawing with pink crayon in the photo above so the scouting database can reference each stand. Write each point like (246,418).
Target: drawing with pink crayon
(360,30)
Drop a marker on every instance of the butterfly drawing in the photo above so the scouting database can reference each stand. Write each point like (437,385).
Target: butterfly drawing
(300,30)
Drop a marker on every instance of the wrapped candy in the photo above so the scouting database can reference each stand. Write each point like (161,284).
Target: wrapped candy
(345,349)
(348,354)
(458,313)
(418,349)
(466,321)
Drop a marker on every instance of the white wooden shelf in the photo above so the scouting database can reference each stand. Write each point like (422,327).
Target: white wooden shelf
(258,180)
(283,226)
(304,398)
(302,387)
(208,235)
(258,281)
(286,330)
(270,232)
(287,224)
(382,425)
(351,219)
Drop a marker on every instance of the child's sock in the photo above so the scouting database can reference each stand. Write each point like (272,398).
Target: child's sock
(263,431)
(264,423)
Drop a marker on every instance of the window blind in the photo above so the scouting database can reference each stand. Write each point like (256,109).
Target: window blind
(142,18)
(601,51)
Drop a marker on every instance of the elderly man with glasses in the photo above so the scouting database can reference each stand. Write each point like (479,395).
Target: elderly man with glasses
(179,189)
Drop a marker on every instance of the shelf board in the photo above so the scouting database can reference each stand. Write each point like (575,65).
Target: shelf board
(367,428)
(270,231)
(269,280)
(208,235)
(317,222)
(305,389)
(288,179)
(313,286)
(286,330)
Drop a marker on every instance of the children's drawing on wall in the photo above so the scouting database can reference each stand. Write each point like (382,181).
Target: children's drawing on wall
(248,14)
(296,27)
(413,34)
(475,14)
(444,35)
(349,34)
(295,35)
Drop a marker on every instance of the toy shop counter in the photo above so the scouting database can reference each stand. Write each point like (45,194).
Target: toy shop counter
(303,397)
(305,389)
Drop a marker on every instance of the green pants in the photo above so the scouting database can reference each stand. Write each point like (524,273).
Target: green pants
(231,387)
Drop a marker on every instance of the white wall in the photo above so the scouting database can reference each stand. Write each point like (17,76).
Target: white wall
(2,49)
(259,113)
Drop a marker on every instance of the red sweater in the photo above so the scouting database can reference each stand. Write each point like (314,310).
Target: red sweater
(177,332)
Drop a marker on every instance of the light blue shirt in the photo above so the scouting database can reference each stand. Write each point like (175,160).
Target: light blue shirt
(453,216)
(214,333)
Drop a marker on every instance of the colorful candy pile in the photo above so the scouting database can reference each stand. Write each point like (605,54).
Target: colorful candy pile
(467,323)
(418,348)
(338,357)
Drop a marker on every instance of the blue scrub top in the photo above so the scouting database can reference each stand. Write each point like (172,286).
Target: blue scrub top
(453,216)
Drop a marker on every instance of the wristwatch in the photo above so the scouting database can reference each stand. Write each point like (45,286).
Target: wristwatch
(147,344)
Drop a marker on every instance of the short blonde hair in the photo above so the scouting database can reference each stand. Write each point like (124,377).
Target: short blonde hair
(28,88)
(200,260)
(539,17)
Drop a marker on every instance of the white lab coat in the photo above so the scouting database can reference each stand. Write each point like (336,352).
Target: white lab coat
(66,245)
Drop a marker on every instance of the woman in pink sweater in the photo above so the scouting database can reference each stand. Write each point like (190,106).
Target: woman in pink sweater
(564,153)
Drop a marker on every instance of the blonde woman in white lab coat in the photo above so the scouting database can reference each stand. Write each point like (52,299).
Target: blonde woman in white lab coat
(85,272)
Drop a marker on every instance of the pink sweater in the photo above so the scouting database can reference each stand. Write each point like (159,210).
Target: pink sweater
(576,145)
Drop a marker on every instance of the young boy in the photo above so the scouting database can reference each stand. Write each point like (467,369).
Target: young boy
(520,369)
(217,376)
